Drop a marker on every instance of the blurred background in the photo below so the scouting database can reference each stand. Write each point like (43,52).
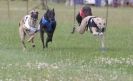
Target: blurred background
(99,3)
(9,7)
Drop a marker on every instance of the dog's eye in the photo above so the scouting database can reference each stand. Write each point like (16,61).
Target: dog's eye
(99,23)
(104,24)
(97,19)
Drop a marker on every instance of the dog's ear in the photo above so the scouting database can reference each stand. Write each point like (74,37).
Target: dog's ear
(31,13)
(53,9)
(37,12)
(47,9)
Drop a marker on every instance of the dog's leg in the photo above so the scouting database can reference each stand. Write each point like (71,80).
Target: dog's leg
(22,37)
(49,38)
(46,43)
(73,30)
(52,33)
(42,37)
(102,41)
(94,32)
(32,41)
(31,38)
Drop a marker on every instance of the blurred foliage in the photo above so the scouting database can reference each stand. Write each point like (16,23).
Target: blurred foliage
(58,1)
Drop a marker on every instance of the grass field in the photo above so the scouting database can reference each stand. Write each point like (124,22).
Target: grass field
(69,57)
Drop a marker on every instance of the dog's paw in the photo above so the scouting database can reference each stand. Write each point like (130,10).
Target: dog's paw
(33,45)
(73,30)
(95,33)
(100,34)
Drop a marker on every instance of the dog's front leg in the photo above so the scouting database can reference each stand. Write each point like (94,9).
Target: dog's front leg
(100,35)
(102,41)
(32,41)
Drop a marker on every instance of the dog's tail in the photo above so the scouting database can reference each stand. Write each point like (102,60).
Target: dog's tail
(21,22)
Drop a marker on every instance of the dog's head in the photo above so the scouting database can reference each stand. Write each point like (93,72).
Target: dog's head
(101,24)
(34,15)
(50,14)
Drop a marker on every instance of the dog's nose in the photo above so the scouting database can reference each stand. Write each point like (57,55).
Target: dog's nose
(103,29)
(35,19)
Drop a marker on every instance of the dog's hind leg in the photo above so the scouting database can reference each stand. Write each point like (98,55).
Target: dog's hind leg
(42,38)
(47,42)
(49,38)
(22,37)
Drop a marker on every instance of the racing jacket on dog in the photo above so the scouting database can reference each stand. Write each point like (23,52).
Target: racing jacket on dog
(47,24)
(95,24)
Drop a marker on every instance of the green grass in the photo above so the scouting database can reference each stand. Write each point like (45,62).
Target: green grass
(69,57)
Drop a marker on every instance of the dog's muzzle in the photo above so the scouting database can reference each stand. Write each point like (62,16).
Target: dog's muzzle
(101,30)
